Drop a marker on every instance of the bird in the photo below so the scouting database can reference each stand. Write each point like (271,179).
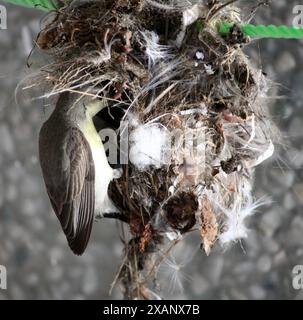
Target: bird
(75,167)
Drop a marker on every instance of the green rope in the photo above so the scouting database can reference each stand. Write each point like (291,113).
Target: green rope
(46,5)
(260,31)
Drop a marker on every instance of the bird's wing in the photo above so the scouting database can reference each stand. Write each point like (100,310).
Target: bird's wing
(71,189)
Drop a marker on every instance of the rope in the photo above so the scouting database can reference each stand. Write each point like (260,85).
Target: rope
(46,5)
(260,31)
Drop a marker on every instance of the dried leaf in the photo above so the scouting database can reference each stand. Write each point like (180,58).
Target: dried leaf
(146,237)
(209,225)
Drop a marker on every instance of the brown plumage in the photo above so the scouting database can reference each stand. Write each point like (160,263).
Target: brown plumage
(69,174)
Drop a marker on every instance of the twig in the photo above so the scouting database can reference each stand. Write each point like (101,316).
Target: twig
(213,14)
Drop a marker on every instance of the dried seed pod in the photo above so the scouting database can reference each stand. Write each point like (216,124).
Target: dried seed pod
(209,227)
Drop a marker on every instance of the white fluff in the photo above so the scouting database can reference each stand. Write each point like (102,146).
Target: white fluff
(190,15)
(209,69)
(235,222)
(200,55)
(154,51)
(268,152)
(149,146)
(193,14)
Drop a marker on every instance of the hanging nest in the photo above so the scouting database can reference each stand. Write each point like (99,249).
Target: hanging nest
(196,115)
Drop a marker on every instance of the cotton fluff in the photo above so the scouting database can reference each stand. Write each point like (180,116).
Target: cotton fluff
(149,146)
(235,223)
(154,51)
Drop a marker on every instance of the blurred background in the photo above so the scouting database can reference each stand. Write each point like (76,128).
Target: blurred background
(33,247)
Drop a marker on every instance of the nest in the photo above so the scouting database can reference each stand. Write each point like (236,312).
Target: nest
(196,115)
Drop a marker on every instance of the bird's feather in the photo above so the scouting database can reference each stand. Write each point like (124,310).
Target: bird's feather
(69,174)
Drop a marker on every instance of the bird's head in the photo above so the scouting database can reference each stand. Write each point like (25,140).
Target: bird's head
(80,105)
